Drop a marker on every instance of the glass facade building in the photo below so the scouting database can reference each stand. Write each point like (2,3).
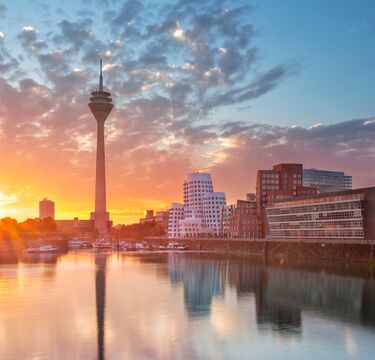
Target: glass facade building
(347,215)
(326,181)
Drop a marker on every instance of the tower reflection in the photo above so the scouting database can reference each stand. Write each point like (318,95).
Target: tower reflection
(100,280)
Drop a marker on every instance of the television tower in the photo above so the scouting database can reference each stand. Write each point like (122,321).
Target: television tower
(100,105)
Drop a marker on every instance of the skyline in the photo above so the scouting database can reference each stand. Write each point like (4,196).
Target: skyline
(228,107)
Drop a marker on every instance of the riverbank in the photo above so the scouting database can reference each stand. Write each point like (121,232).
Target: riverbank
(283,251)
(280,251)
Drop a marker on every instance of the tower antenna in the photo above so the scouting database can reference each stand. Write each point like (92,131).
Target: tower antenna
(101,76)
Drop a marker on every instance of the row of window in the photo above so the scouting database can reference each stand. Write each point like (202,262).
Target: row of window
(243,221)
(269,187)
(350,224)
(316,207)
(270,175)
(246,235)
(312,234)
(270,181)
(198,182)
(350,214)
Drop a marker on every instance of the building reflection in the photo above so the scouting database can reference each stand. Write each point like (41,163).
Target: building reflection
(250,277)
(281,293)
(100,282)
(202,280)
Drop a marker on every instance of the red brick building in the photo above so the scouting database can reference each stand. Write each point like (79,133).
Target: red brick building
(245,223)
(284,181)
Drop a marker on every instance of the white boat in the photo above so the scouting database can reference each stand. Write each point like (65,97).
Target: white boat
(102,244)
(43,249)
(176,246)
(128,247)
(140,246)
(172,245)
(74,243)
(78,244)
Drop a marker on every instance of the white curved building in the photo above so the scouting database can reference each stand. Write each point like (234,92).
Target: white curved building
(176,214)
(201,210)
(213,204)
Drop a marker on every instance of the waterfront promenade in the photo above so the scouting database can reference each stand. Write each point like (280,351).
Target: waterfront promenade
(340,250)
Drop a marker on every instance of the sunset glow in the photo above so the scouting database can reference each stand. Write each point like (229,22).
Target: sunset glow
(188,96)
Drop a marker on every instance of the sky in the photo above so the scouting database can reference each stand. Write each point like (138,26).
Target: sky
(219,86)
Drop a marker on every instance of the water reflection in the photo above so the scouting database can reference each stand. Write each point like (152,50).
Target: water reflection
(281,293)
(100,278)
(202,279)
(183,305)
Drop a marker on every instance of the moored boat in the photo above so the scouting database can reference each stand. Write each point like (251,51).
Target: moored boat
(176,246)
(42,249)
(78,244)
(102,244)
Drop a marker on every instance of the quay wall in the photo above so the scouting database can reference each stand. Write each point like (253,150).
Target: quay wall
(283,250)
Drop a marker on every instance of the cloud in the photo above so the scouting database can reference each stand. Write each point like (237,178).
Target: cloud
(169,68)
(346,146)
(263,84)
(124,22)
(75,34)
(3,10)
(29,39)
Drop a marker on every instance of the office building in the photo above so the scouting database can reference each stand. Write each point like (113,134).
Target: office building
(345,215)
(283,181)
(245,222)
(326,181)
(251,197)
(161,218)
(227,213)
(150,218)
(157,218)
(176,214)
(46,209)
(201,209)
(75,226)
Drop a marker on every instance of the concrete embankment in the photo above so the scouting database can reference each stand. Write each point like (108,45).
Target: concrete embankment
(284,251)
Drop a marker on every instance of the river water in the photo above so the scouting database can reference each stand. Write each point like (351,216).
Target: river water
(83,305)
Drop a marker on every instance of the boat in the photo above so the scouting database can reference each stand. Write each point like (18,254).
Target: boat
(86,244)
(176,246)
(102,244)
(74,243)
(141,246)
(78,244)
(172,245)
(42,249)
(128,247)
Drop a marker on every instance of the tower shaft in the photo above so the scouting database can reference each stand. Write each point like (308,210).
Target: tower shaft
(100,185)
(100,105)
(101,216)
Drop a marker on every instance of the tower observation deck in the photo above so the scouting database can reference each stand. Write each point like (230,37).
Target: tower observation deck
(100,105)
